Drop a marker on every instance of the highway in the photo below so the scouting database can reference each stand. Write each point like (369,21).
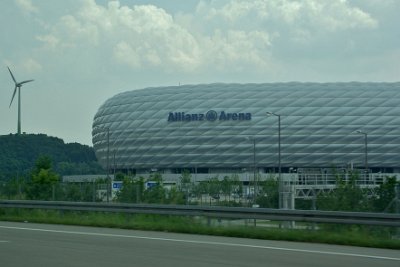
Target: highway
(40,245)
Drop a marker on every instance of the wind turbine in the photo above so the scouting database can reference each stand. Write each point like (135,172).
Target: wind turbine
(18,86)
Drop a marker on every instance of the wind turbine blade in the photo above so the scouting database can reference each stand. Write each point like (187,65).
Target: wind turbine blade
(27,81)
(12,75)
(15,91)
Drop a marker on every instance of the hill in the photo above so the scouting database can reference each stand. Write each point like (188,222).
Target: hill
(18,154)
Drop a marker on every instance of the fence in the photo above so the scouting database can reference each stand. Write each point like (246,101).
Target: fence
(364,218)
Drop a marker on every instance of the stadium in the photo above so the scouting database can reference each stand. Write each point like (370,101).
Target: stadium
(244,129)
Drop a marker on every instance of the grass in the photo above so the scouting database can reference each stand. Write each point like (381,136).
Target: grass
(354,235)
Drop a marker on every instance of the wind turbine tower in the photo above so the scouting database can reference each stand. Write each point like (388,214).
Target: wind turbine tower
(18,86)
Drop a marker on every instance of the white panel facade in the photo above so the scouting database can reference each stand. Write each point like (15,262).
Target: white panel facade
(147,128)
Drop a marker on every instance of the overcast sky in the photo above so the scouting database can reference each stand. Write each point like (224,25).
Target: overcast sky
(82,52)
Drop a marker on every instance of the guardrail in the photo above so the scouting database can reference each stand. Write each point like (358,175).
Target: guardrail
(364,218)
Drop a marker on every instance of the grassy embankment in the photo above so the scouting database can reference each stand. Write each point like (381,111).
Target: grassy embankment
(379,237)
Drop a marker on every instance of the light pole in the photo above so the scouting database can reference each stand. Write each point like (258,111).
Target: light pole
(280,187)
(366,150)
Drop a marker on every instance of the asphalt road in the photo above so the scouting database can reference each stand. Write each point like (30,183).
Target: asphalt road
(41,245)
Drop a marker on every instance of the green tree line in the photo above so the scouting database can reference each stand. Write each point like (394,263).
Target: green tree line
(18,154)
(44,183)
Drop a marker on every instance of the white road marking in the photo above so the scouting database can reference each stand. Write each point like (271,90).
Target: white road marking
(205,242)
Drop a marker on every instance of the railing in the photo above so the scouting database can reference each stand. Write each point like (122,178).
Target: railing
(364,218)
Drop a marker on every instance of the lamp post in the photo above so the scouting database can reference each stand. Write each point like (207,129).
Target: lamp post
(280,187)
(366,150)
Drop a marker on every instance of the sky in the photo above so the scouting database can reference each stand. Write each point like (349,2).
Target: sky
(82,52)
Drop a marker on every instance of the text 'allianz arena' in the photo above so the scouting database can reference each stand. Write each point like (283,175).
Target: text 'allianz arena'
(226,126)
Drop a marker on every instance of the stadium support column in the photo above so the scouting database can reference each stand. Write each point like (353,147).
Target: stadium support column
(253,139)
(108,179)
(254,171)
(365,154)
(108,165)
(280,182)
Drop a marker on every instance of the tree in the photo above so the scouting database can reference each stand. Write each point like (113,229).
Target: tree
(156,193)
(13,189)
(85,191)
(43,180)
(18,154)
(237,186)
(71,192)
(131,191)
(43,163)
(226,187)
(269,194)
(185,184)
(200,189)
(385,195)
(176,197)
(347,196)
(214,188)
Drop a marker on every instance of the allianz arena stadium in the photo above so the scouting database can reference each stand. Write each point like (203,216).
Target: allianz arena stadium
(231,128)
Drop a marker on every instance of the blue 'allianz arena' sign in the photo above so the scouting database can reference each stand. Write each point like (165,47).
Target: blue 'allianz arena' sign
(211,115)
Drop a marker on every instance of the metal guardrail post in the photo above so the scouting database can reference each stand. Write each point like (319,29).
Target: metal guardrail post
(364,218)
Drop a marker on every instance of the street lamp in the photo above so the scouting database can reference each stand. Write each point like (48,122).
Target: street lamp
(366,149)
(280,187)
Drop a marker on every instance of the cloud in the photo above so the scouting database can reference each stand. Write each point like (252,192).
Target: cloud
(26,6)
(49,41)
(225,49)
(330,14)
(124,53)
(301,20)
(82,51)
(228,36)
(141,36)
(31,65)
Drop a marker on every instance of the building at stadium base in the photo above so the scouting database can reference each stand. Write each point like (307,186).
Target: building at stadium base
(224,129)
